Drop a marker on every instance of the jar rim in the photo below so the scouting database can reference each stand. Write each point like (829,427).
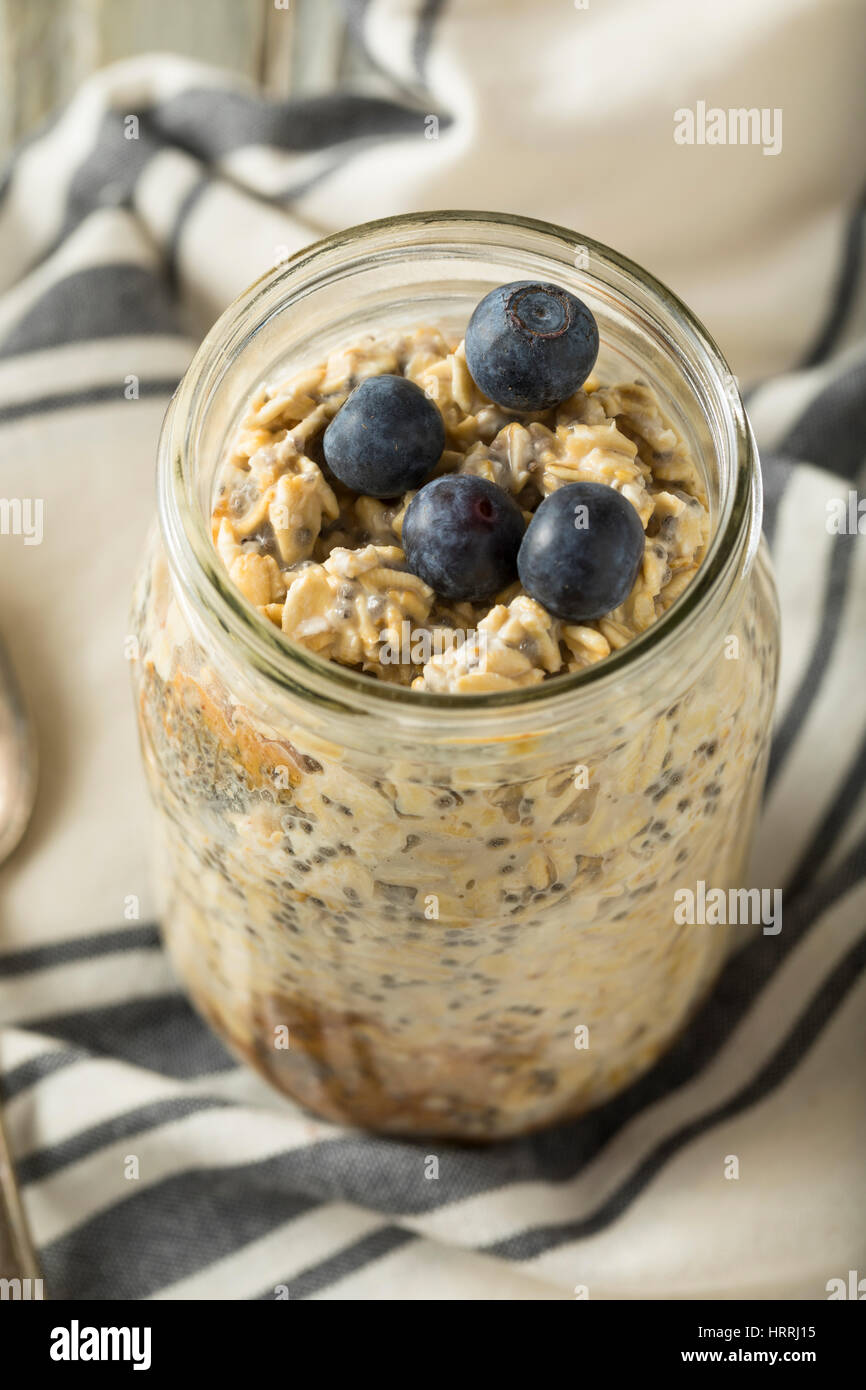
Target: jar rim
(295,670)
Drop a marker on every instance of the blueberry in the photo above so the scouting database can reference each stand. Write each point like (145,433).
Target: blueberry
(582,552)
(461,535)
(386,438)
(530,346)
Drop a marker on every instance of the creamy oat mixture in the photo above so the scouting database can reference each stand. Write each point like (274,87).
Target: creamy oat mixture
(301,856)
(326,565)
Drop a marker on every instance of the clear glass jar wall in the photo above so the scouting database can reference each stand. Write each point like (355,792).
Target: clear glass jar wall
(427,895)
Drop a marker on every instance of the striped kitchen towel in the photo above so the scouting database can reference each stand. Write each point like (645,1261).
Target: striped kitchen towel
(126,224)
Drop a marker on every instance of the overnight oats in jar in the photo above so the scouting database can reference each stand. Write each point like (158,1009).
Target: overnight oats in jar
(457,658)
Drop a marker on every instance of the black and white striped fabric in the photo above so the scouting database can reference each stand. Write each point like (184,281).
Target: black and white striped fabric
(115,254)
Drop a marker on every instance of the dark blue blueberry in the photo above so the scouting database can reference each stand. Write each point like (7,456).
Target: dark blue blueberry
(461,535)
(582,552)
(530,346)
(386,438)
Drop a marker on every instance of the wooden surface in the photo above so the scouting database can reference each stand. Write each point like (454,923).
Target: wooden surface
(48,47)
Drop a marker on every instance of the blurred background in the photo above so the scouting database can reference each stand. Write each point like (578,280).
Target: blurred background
(47,50)
(561,109)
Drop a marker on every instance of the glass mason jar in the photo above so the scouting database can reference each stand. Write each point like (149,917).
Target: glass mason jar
(448,914)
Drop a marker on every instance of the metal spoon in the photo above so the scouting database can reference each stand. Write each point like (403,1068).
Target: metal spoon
(18,764)
(17,760)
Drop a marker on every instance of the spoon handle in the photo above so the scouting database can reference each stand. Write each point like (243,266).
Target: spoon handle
(17,1255)
(18,761)
(17,788)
